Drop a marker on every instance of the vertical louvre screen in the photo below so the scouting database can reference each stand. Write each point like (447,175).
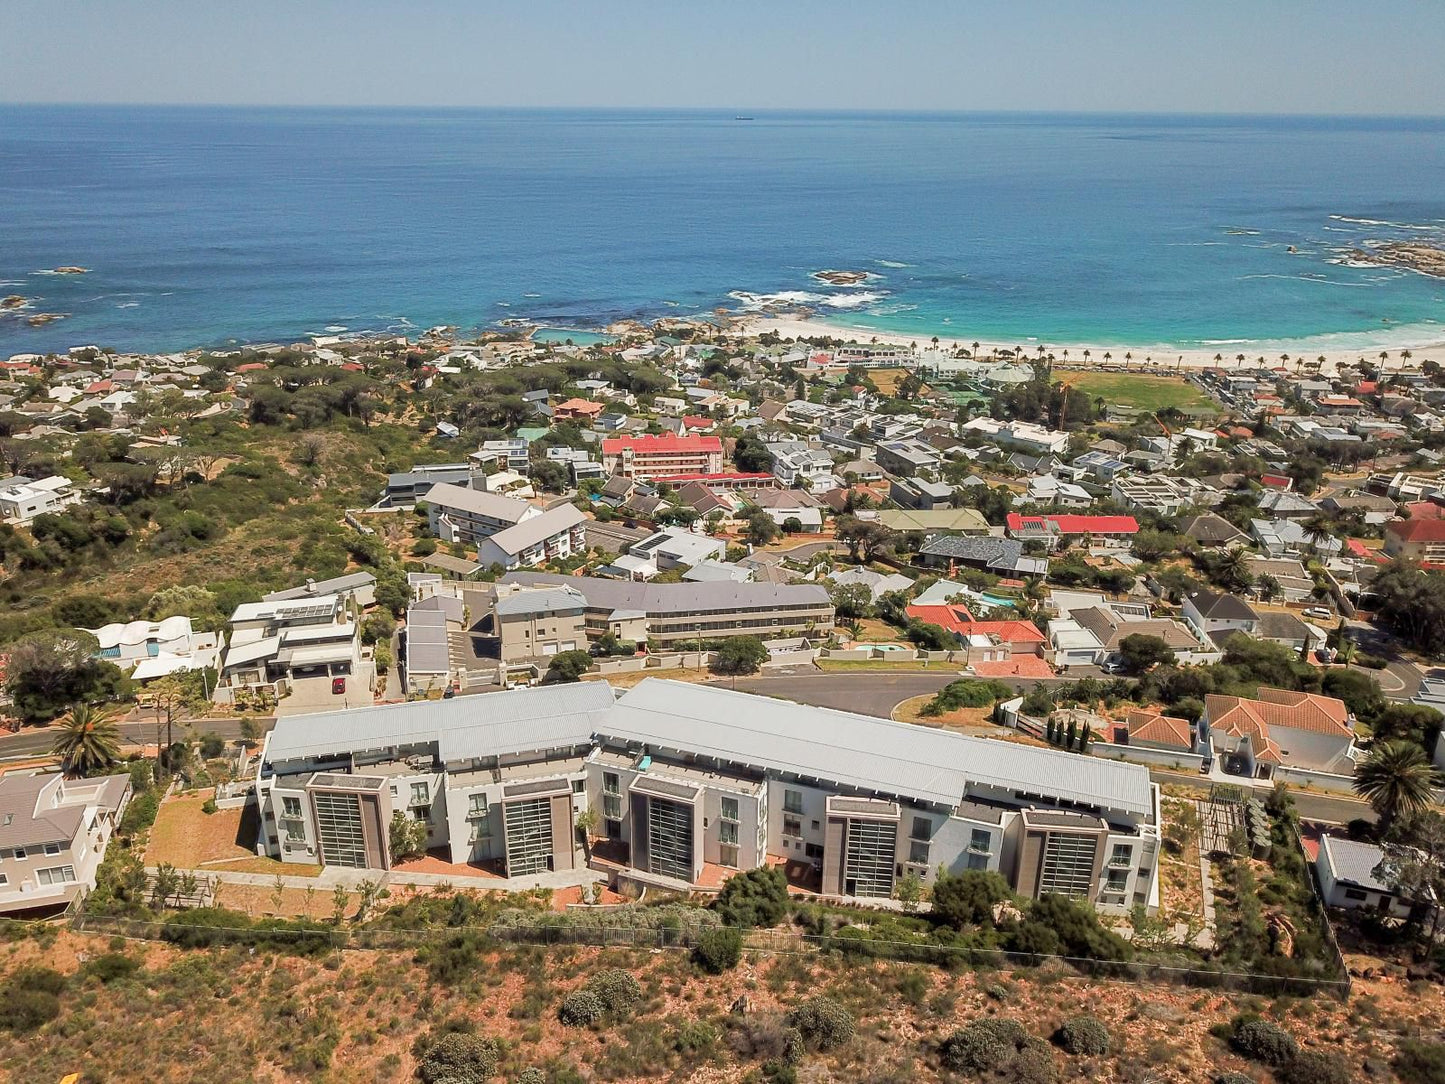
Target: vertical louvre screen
(868,858)
(1068,865)
(669,837)
(529,836)
(338,826)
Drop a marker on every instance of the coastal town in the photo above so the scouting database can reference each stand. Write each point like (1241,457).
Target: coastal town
(747,636)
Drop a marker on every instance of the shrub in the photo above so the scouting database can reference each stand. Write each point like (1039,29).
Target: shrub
(968,898)
(1418,1062)
(617,989)
(1034,1064)
(718,950)
(1234,1078)
(580,1008)
(983,1046)
(758,897)
(1314,1067)
(26,1010)
(112,966)
(822,1022)
(767,1038)
(532,1075)
(208,806)
(459,1058)
(1260,1040)
(1083,1035)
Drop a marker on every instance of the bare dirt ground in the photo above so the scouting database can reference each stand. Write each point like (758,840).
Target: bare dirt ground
(187,837)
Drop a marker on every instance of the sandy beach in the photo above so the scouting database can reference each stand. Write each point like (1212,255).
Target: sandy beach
(1150,358)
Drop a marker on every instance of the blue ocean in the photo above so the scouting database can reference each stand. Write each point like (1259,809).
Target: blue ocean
(210,226)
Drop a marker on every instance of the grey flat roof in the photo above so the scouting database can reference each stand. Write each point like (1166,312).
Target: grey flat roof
(428,648)
(465,728)
(540,600)
(335,586)
(860,751)
(679,598)
(1354,863)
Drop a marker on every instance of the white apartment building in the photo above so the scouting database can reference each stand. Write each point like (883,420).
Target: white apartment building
(459,514)
(23,499)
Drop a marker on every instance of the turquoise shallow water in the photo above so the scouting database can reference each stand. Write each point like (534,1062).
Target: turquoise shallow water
(205,226)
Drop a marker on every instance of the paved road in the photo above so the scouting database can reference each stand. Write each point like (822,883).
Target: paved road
(1312,806)
(38,740)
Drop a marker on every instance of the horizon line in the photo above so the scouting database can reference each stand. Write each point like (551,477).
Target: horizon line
(735,109)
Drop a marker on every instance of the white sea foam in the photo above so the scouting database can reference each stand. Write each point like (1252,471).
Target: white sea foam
(754,302)
(128,305)
(335,329)
(1391,225)
(531,295)
(891,263)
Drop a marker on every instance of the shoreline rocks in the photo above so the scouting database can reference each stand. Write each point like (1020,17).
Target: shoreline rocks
(13,303)
(1410,255)
(71,271)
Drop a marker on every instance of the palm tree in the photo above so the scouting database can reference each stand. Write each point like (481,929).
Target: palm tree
(1397,780)
(1108,356)
(1239,359)
(1086,357)
(1218,358)
(89,740)
(1234,568)
(1317,529)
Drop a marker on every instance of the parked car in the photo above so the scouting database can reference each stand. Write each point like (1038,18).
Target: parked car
(338,686)
(1319,613)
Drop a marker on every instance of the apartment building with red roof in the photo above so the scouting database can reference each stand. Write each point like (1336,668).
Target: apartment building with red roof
(662,456)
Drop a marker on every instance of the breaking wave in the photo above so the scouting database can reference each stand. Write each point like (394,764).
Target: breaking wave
(752,302)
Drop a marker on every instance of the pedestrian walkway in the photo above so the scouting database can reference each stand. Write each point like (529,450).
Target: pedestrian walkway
(352,879)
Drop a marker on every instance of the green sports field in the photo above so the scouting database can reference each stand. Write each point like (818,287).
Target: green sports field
(1136,389)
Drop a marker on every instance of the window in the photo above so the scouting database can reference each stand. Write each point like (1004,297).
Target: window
(1123,855)
(792,826)
(578,786)
(56,875)
(922,828)
(1117,881)
(917,852)
(295,832)
(291,807)
(792,801)
(478,830)
(52,849)
(4,879)
(476,806)
(614,829)
(420,794)
(19,852)
(981,841)
(730,809)
(727,832)
(1356,895)
(612,806)
(978,861)
(728,855)
(813,850)
(610,783)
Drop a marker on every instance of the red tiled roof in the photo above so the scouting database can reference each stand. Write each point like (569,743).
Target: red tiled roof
(580,406)
(1276,481)
(956,618)
(1163,729)
(689,443)
(698,421)
(251,366)
(1417,530)
(1075,524)
(1285,708)
(1366,387)
(1425,510)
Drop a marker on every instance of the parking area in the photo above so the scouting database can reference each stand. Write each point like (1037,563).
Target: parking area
(313,694)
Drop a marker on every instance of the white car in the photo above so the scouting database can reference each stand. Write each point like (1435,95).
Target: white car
(1319,613)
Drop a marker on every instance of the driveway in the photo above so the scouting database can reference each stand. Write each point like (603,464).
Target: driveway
(313,694)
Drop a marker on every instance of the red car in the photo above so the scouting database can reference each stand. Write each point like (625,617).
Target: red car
(338,686)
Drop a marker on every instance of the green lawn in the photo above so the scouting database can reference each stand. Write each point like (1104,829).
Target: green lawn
(1136,389)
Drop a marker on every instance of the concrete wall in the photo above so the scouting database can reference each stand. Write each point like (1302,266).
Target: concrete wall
(1343,784)
(1184,762)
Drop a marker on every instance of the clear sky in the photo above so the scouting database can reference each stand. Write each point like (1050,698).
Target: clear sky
(1263,56)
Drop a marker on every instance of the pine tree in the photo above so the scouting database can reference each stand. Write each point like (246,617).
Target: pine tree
(1084,738)
(1072,733)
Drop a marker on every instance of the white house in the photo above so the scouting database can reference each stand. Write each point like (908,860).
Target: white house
(53,834)
(554,535)
(23,500)
(1346,871)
